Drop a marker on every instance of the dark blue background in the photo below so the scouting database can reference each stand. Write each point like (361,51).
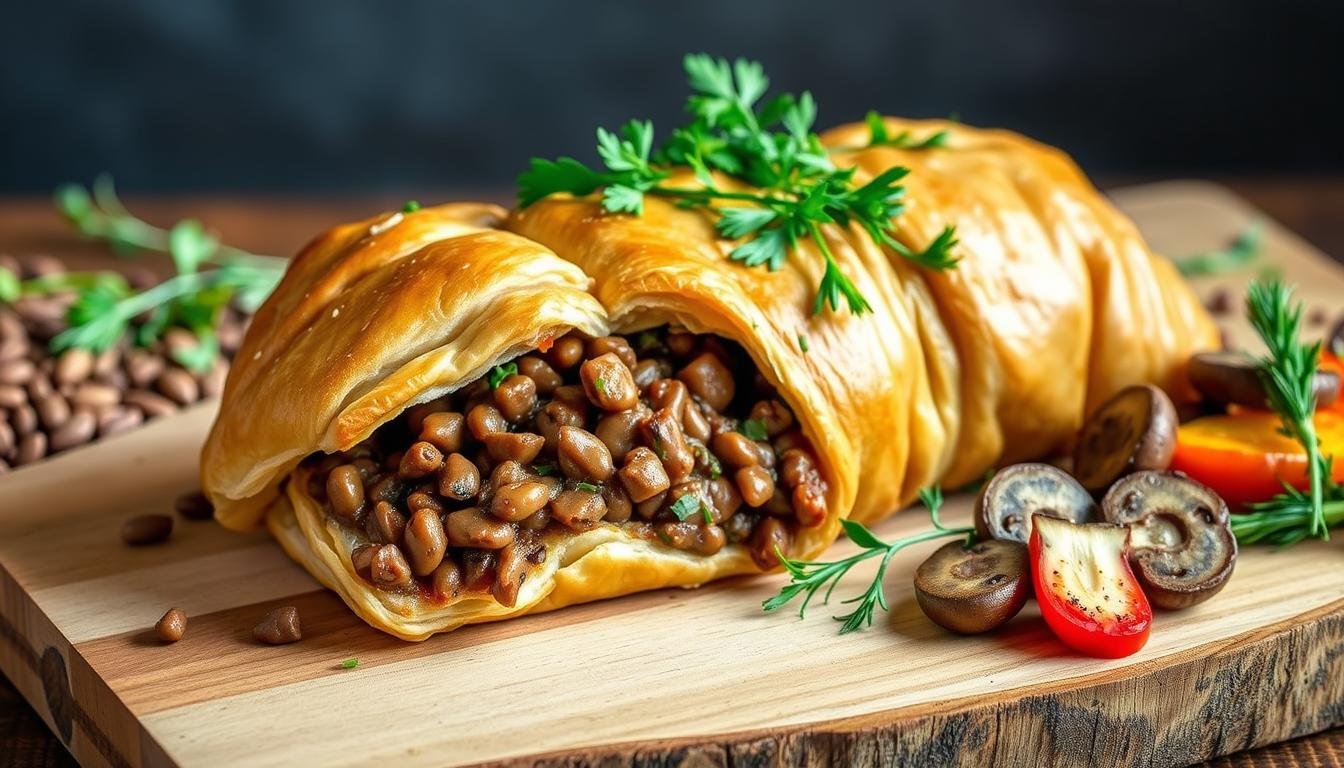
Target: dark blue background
(336,96)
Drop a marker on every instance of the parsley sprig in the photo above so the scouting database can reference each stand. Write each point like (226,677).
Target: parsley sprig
(1287,371)
(768,145)
(1237,255)
(809,577)
(209,276)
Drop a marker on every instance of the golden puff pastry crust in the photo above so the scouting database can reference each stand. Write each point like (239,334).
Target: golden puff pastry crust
(1056,304)
(371,318)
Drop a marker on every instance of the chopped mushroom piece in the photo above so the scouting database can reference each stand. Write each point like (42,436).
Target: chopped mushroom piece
(1005,505)
(1234,377)
(1131,432)
(1180,541)
(973,589)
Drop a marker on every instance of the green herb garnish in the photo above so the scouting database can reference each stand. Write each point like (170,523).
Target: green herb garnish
(499,373)
(709,460)
(1286,373)
(349,663)
(802,343)
(589,487)
(771,147)
(685,506)
(879,136)
(411,206)
(753,428)
(808,577)
(600,385)
(544,470)
(1240,254)
(210,275)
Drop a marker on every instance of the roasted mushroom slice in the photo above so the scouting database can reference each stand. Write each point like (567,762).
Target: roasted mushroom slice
(1131,432)
(1234,377)
(973,589)
(1005,505)
(1180,541)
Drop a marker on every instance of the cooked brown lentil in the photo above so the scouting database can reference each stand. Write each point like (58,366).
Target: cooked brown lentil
(279,627)
(461,494)
(55,402)
(172,626)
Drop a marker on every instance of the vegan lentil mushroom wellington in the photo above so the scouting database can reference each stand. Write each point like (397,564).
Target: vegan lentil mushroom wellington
(461,414)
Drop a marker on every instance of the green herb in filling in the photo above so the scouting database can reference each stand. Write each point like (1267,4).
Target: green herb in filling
(753,428)
(501,372)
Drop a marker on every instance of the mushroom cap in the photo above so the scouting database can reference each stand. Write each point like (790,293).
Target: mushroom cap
(1180,540)
(1005,505)
(973,589)
(1229,376)
(1133,431)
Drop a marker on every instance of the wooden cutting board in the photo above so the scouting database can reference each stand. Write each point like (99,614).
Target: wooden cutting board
(671,677)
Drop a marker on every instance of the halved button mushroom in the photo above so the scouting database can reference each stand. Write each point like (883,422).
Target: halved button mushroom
(1131,432)
(1005,505)
(973,589)
(1234,377)
(1180,541)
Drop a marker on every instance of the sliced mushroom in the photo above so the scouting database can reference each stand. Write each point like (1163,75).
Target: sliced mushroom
(1131,432)
(1234,377)
(973,589)
(1180,541)
(1005,505)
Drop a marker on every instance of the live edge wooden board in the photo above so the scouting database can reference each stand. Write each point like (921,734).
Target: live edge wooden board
(672,677)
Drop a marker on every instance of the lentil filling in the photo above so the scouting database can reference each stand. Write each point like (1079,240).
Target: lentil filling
(673,436)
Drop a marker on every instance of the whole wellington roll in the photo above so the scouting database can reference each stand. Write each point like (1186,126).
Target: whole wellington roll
(461,414)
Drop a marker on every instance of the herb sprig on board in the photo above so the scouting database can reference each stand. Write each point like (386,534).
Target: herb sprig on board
(1287,371)
(1239,254)
(209,276)
(809,577)
(768,145)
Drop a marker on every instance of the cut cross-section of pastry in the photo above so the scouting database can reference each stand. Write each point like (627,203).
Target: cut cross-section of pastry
(460,414)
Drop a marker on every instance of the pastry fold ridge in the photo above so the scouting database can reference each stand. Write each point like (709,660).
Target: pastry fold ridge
(1056,303)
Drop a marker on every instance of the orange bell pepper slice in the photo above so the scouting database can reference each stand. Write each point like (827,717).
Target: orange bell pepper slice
(1245,458)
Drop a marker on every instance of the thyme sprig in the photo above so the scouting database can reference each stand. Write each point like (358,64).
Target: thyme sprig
(210,275)
(768,145)
(1287,371)
(806,578)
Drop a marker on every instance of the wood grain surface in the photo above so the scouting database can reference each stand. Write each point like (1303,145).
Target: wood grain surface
(660,678)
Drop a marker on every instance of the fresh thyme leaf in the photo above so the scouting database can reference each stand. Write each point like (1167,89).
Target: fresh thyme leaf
(802,343)
(589,487)
(349,663)
(770,147)
(600,384)
(807,578)
(1287,372)
(544,470)
(1239,254)
(753,428)
(411,206)
(685,506)
(499,373)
